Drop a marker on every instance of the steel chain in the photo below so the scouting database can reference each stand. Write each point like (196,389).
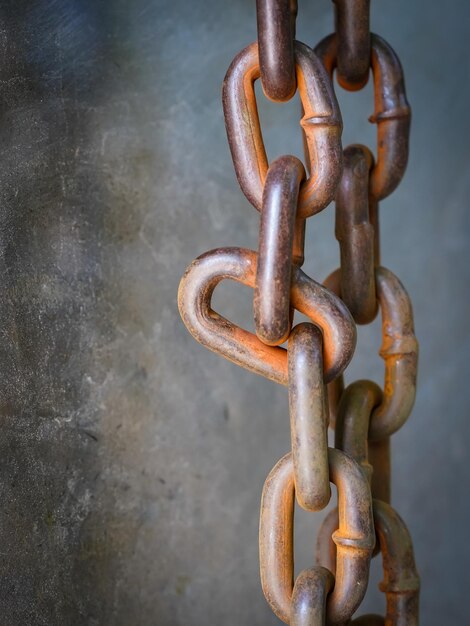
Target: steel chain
(363,415)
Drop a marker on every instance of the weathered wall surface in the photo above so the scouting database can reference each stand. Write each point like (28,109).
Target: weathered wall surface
(131,459)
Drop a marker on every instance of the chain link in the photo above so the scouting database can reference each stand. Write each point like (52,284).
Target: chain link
(321,124)
(276,254)
(276,32)
(353,42)
(363,415)
(355,234)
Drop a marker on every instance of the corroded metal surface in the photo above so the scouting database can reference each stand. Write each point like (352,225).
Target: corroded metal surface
(271,302)
(392,113)
(356,235)
(356,406)
(308,417)
(354,539)
(379,453)
(308,604)
(321,123)
(242,347)
(399,352)
(353,42)
(325,553)
(132,458)
(401,582)
(363,416)
(276,31)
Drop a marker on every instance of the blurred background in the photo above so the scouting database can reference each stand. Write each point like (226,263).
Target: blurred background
(132,459)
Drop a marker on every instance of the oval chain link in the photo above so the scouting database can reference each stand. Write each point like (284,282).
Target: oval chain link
(321,124)
(354,538)
(276,32)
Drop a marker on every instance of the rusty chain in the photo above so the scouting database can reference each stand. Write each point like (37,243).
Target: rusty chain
(363,415)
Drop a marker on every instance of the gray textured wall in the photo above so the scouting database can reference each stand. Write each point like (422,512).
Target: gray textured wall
(131,459)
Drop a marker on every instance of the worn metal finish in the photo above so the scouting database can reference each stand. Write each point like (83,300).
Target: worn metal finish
(401,580)
(356,235)
(276,32)
(321,123)
(354,539)
(308,417)
(392,113)
(242,347)
(377,469)
(379,454)
(353,42)
(132,459)
(352,422)
(334,391)
(374,219)
(276,537)
(308,604)
(336,387)
(351,435)
(399,351)
(317,353)
(325,553)
(275,256)
(298,255)
(352,430)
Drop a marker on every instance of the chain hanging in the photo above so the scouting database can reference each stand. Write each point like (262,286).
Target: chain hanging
(364,416)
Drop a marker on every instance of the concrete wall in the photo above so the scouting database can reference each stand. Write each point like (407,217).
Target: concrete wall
(131,459)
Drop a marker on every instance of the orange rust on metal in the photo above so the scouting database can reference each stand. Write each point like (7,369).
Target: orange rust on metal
(351,435)
(401,579)
(276,239)
(317,353)
(299,242)
(298,247)
(352,421)
(399,351)
(333,282)
(380,460)
(276,537)
(336,387)
(334,391)
(215,332)
(353,33)
(355,234)
(321,123)
(326,548)
(392,112)
(375,221)
(308,417)
(308,605)
(276,32)
(354,538)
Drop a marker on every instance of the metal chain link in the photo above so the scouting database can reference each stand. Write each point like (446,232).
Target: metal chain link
(363,415)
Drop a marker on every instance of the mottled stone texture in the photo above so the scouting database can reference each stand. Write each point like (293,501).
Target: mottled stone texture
(131,459)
